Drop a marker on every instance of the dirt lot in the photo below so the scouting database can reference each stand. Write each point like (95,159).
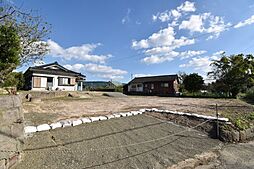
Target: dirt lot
(131,142)
(95,103)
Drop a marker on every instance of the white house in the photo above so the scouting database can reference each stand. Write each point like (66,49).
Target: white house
(53,77)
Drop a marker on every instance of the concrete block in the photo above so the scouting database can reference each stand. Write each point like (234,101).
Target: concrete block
(93,119)
(30,129)
(180,113)
(123,114)
(128,114)
(110,116)
(243,135)
(142,110)
(186,114)
(102,118)
(43,127)
(223,119)
(135,112)
(154,109)
(117,115)
(86,120)
(56,125)
(160,111)
(76,122)
(66,123)
(166,111)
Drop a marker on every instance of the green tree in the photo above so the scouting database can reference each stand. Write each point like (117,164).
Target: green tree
(193,82)
(181,77)
(9,51)
(22,38)
(233,74)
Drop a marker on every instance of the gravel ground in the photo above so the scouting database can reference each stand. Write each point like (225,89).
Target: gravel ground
(94,103)
(91,145)
(235,156)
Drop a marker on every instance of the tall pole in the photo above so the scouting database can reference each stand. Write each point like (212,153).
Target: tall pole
(217,122)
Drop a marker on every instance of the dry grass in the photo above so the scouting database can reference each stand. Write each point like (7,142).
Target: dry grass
(95,103)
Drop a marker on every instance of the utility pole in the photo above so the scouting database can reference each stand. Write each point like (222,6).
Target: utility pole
(217,122)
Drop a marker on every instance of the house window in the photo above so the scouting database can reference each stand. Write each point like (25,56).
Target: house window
(152,86)
(64,81)
(164,85)
(133,86)
(139,85)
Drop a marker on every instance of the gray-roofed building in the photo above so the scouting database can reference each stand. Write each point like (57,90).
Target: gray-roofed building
(53,77)
(165,85)
(99,86)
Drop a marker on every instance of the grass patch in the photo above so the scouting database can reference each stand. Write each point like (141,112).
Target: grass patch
(206,95)
(241,121)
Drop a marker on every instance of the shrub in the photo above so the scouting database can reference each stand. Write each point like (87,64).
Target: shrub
(250,94)
(251,116)
(241,124)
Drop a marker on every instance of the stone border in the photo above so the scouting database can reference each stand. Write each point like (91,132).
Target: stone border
(221,119)
(234,136)
(76,122)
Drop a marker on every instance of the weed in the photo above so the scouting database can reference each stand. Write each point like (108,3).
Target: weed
(242,124)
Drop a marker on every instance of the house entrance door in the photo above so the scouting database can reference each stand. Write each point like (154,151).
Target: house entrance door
(49,83)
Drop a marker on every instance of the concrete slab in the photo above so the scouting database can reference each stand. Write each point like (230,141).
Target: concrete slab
(43,127)
(76,122)
(56,125)
(30,129)
(86,120)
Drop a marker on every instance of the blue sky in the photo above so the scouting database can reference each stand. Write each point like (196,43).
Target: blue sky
(116,38)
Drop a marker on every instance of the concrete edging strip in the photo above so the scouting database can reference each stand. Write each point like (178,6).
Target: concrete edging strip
(76,122)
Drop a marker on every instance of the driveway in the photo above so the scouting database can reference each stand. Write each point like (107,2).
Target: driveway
(130,142)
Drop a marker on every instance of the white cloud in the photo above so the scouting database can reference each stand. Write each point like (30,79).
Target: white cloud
(202,64)
(126,18)
(165,37)
(194,24)
(159,56)
(154,59)
(245,22)
(199,63)
(191,53)
(217,55)
(159,47)
(187,7)
(83,52)
(175,14)
(206,23)
(102,71)
(219,52)
(143,75)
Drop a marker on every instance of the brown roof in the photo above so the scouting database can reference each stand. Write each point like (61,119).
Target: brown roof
(162,78)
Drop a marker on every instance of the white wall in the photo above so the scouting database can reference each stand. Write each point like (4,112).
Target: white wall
(136,89)
(44,82)
(55,83)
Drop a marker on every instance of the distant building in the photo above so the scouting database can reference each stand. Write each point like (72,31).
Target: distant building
(166,85)
(99,86)
(53,77)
